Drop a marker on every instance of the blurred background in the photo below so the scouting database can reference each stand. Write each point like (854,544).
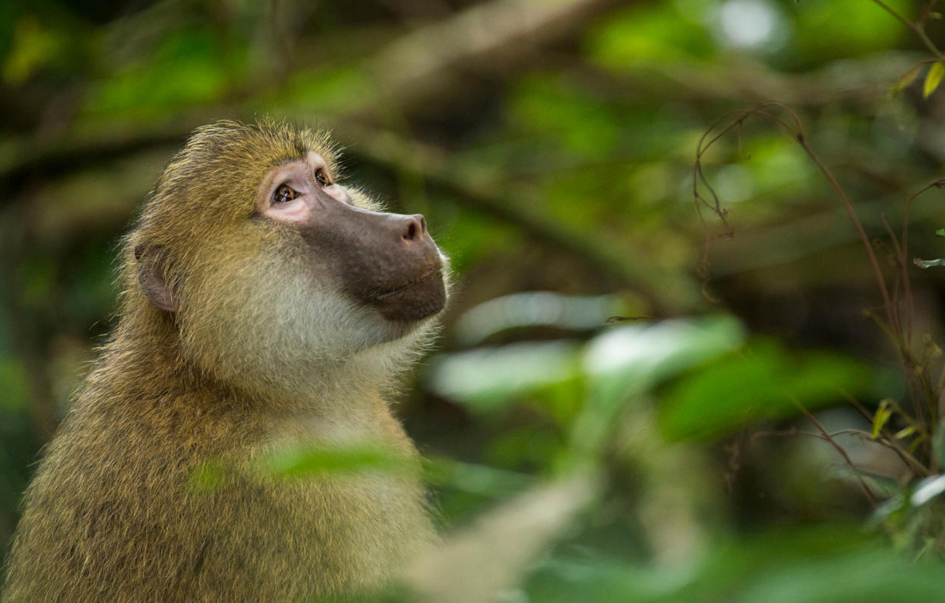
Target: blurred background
(655,397)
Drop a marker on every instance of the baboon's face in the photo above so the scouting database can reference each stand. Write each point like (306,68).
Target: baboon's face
(271,269)
(386,263)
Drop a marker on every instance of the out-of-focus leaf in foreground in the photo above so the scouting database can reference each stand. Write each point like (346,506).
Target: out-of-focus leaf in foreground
(824,565)
(309,461)
(763,382)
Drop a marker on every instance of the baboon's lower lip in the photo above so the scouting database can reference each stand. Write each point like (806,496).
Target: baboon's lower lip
(426,276)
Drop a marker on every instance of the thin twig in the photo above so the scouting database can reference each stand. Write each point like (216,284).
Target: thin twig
(916,27)
(843,453)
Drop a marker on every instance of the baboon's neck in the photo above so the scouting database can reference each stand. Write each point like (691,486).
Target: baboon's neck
(145,355)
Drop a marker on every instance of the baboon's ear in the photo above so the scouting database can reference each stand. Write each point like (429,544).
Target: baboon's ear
(152,274)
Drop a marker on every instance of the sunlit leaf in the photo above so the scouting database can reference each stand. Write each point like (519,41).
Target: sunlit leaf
(933,79)
(486,379)
(639,355)
(880,417)
(927,489)
(904,433)
(536,308)
(632,359)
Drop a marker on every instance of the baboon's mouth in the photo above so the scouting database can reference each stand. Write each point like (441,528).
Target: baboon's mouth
(426,276)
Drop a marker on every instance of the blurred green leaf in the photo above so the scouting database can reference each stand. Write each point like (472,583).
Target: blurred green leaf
(335,89)
(33,46)
(567,116)
(14,394)
(536,308)
(305,461)
(475,479)
(647,34)
(633,358)
(845,28)
(485,380)
(189,67)
(763,382)
(823,565)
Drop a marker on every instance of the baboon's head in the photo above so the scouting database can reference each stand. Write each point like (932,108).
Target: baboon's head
(266,266)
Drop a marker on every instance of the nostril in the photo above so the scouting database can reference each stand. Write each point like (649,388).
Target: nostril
(416,228)
(412,231)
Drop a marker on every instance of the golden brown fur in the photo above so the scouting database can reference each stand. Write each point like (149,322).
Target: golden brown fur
(261,354)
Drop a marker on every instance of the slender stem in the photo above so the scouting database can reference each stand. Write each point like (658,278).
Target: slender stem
(867,491)
(915,27)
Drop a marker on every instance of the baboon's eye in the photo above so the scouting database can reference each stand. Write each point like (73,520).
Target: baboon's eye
(284,194)
(322,178)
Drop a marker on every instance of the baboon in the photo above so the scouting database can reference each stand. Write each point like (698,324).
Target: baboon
(264,305)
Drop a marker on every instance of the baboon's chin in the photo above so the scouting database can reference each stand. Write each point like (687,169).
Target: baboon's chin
(414,301)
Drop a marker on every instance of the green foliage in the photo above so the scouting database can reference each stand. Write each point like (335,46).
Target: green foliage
(667,32)
(760,383)
(846,28)
(832,565)
(15,395)
(188,67)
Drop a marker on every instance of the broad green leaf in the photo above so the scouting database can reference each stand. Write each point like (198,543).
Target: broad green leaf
(635,357)
(632,359)
(763,382)
(868,577)
(730,571)
(933,79)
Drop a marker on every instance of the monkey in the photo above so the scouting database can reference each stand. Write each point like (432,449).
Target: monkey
(264,304)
